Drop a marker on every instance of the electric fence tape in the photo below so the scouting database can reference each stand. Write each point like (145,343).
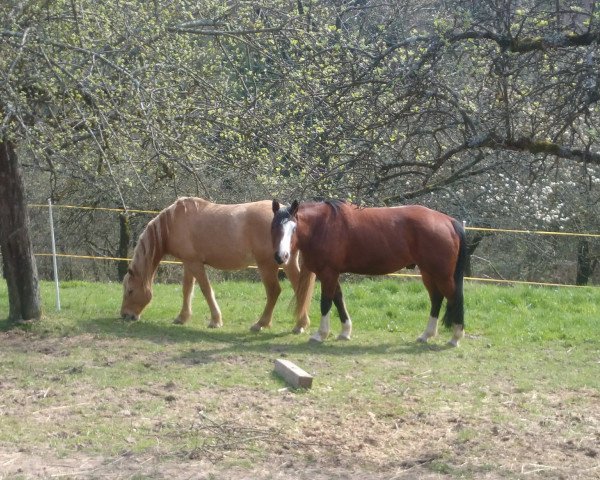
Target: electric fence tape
(408,275)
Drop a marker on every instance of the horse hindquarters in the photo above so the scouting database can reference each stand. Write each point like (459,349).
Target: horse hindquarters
(455,312)
(455,309)
(452,289)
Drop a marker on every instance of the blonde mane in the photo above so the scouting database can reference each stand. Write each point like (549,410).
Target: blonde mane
(151,245)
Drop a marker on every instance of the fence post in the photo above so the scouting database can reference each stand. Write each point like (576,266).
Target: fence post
(54,264)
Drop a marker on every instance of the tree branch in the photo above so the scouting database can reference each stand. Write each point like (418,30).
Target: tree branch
(505,42)
(540,146)
(493,142)
(196,31)
(557,40)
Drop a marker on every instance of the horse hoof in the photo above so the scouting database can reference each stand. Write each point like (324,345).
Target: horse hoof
(298,330)
(343,337)
(179,321)
(256,328)
(453,343)
(215,325)
(421,340)
(318,337)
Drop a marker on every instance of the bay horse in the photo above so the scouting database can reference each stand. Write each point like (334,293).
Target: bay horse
(335,237)
(200,233)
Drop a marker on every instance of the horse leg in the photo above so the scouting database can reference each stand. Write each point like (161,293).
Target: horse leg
(268,274)
(329,284)
(215,313)
(458,328)
(292,271)
(436,298)
(458,333)
(454,315)
(188,293)
(338,300)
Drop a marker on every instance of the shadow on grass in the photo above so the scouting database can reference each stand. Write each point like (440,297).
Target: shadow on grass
(209,343)
(24,325)
(199,345)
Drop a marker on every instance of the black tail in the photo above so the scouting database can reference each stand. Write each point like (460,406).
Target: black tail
(455,310)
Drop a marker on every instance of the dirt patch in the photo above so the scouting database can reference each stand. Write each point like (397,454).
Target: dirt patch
(242,432)
(22,465)
(244,438)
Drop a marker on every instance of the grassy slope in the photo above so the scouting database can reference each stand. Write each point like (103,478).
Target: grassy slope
(82,380)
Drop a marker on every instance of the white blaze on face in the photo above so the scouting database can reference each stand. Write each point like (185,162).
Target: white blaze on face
(285,245)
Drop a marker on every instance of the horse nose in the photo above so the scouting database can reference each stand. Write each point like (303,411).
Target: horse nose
(282,258)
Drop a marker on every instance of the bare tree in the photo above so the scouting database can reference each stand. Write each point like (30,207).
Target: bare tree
(18,262)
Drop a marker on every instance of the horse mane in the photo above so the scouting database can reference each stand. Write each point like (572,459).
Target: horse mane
(334,204)
(151,245)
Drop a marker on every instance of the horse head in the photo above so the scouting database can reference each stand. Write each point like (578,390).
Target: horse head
(283,228)
(136,295)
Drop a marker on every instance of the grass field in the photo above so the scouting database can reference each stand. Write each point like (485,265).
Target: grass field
(86,395)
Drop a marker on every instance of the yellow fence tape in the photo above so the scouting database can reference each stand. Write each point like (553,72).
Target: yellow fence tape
(533,232)
(476,279)
(407,275)
(101,209)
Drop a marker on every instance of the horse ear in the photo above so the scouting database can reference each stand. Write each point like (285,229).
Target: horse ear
(275,206)
(294,208)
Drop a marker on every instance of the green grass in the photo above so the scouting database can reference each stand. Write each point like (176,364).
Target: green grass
(83,380)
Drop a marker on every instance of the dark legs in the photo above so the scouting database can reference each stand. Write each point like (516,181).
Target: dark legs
(437,292)
(331,293)
(436,299)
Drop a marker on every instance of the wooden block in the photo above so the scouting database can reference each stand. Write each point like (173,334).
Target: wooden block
(293,374)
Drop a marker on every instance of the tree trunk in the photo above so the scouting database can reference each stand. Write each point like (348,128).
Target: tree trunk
(20,270)
(124,239)
(585,263)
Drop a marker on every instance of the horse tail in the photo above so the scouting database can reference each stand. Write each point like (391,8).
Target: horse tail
(455,310)
(304,291)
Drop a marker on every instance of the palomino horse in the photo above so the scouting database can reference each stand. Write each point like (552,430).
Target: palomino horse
(335,237)
(200,233)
